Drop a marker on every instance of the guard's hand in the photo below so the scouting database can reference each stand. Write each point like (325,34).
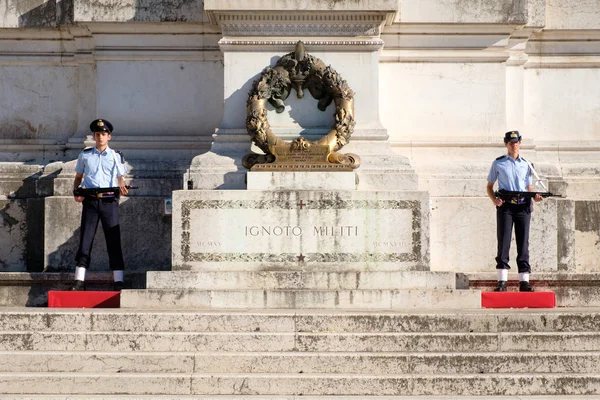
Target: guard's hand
(123,186)
(498,201)
(78,199)
(538,198)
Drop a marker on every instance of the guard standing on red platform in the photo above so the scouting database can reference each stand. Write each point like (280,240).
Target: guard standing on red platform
(513,173)
(100,167)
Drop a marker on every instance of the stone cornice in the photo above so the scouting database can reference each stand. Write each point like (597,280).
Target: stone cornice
(214,9)
(563,49)
(315,45)
(310,18)
(326,24)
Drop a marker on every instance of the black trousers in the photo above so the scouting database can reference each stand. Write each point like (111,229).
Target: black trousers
(107,211)
(508,215)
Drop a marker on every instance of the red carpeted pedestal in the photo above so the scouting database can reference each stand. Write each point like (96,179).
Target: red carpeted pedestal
(60,299)
(518,300)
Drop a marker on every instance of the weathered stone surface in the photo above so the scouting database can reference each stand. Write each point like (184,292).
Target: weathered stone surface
(114,362)
(462,246)
(120,354)
(398,385)
(465,11)
(13,235)
(588,341)
(33,114)
(301,180)
(288,341)
(193,321)
(35,13)
(282,280)
(397,342)
(137,214)
(572,14)
(45,321)
(384,299)
(139,11)
(294,230)
(396,363)
(94,383)
(303,5)
(587,236)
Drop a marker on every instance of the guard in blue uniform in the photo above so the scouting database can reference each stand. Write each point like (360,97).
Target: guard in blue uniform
(100,167)
(513,173)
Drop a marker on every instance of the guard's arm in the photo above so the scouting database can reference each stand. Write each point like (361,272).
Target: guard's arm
(490,192)
(76,182)
(538,197)
(123,188)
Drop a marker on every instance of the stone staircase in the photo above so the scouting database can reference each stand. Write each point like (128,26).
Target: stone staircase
(298,354)
(301,290)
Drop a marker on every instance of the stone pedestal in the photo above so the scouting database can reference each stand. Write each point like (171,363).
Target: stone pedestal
(300,230)
(345,35)
(298,180)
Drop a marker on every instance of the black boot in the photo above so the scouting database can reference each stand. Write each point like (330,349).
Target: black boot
(118,286)
(78,286)
(500,287)
(524,286)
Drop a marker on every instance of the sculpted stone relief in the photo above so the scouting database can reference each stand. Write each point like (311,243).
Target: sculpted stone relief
(299,71)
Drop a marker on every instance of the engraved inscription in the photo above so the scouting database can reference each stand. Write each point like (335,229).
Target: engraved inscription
(335,231)
(210,243)
(273,231)
(277,230)
(391,244)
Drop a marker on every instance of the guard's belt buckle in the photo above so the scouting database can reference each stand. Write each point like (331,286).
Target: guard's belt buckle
(517,200)
(105,195)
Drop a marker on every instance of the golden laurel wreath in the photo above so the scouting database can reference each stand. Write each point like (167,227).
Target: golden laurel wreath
(299,71)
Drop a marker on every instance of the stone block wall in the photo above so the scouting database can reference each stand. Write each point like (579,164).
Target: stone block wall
(564,236)
(145,235)
(13,235)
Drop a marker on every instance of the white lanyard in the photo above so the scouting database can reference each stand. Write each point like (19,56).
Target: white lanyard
(538,180)
(116,173)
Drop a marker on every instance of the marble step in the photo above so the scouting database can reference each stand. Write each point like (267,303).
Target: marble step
(528,384)
(291,397)
(381,299)
(299,341)
(43,320)
(299,362)
(285,280)
(359,385)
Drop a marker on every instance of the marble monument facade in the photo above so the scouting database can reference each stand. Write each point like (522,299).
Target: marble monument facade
(437,84)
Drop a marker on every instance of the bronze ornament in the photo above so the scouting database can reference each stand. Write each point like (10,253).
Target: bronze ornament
(299,70)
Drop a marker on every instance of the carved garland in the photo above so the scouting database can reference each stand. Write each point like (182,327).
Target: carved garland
(299,71)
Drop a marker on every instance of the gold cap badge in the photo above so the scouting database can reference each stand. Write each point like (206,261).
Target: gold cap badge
(514,134)
(100,123)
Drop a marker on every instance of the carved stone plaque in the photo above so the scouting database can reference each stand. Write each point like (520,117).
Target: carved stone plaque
(328,230)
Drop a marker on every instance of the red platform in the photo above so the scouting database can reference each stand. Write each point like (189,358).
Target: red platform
(518,300)
(60,299)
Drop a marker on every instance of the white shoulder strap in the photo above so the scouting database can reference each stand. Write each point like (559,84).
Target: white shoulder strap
(116,170)
(537,177)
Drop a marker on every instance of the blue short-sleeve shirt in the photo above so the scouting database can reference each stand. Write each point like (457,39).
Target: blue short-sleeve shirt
(100,169)
(511,174)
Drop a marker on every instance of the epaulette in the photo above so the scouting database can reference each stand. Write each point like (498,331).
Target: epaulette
(119,152)
(87,149)
(501,157)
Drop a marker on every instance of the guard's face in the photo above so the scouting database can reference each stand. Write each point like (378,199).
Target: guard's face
(101,138)
(513,147)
